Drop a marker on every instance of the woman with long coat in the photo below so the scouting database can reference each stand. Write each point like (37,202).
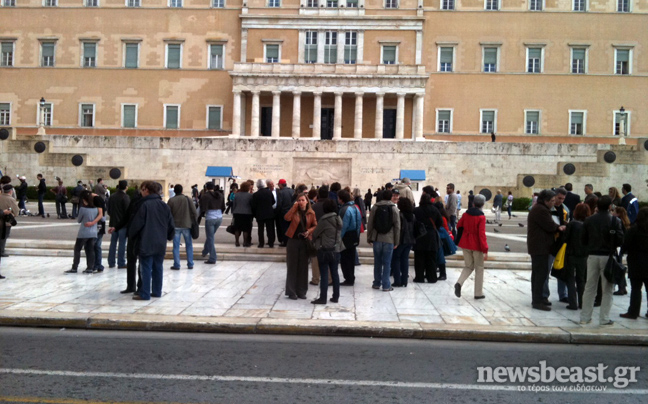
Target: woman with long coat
(302,223)
(427,246)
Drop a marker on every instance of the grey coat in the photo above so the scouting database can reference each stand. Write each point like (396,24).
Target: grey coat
(183,211)
(327,232)
(242,204)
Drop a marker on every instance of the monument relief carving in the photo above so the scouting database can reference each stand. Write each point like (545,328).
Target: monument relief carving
(317,170)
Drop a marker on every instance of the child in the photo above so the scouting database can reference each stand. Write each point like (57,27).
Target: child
(88,217)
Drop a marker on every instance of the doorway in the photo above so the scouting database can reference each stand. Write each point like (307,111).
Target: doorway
(389,123)
(327,123)
(266,121)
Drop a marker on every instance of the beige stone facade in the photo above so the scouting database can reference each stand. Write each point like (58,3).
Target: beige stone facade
(194,68)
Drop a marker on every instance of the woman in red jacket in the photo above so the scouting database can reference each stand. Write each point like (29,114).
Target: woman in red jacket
(471,233)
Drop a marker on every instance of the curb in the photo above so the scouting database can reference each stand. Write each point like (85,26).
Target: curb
(277,326)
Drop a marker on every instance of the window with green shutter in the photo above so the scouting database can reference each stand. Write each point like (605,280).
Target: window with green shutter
(132,55)
(445,59)
(532,122)
(534,63)
(172,116)
(174,50)
(622,61)
(272,53)
(576,120)
(6,54)
(214,118)
(488,122)
(389,54)
(5,114)
(129,120)
(443,125)
(490,60)
(578,61)
(47,54)
(215,56)
(89,54)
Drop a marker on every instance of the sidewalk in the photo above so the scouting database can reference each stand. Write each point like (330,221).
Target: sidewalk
(248,297)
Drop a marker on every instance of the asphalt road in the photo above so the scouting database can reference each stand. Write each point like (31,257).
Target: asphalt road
(59,229)
(64,366)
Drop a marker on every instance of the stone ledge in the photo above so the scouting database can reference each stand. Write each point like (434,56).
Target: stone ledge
(496,333)
(339,328)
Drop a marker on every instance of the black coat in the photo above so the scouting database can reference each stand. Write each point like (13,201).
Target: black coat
(571,200)
(428,214)
(636,245)
(262,201)
(153,225)
(575,246)
(596,233)
(284,201)
(541,230)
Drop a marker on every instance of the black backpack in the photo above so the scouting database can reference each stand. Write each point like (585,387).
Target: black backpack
(383,222)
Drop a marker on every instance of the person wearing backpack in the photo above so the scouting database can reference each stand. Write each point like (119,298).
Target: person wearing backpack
(383,233)
(350,235)
(400,258)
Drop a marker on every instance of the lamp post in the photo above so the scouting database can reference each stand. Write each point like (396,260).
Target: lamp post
(41,121)
(623,125)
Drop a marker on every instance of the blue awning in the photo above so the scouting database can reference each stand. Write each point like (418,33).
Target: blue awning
(413,175)
(214,171)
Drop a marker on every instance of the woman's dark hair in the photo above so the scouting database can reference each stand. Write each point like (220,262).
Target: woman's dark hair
(442,210)
(429,189)
(308,205)
(582,211)
(386,195)
(603,203)
(87,197)
(343,195)
(335,187)
(329,206)
(405,205)
(312,194)
(546,195)
(642,219)
(425,199)
(322,193)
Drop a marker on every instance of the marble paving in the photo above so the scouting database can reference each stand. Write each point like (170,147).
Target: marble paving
(256,290)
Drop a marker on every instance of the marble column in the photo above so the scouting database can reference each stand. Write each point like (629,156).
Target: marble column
(254,125)
(276,113)
(317,115)
(337,117)
(380,100)
(236,115)
(400,115)
(357,127)
(296,119)
(418,133)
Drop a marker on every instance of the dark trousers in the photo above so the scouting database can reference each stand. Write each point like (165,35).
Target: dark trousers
(400,264)
(88,245)
(131,266)
(61,211)
(539,274)
(41,209)
(576,268)
(297,268)
(3,242)
(270,229)
(635,295)
(453,225)
(425,266)
(75,210)
(328,260)
(21,203)
(620,279)
(347,264)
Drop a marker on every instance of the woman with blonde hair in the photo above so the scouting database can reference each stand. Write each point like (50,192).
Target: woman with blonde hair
(614,193)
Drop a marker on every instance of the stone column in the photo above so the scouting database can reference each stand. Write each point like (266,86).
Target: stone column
(296,120)
(400,115)
(337,117)
(418,133)
(357,127)
(254,125)
(276,113)
(317,116)
(341,41)
(380,98)
(236,114)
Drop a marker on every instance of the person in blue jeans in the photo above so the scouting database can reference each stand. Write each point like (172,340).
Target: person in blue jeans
(184,215)
(117,210)
(400,257)
(100,204)
(383,233)
(212,205)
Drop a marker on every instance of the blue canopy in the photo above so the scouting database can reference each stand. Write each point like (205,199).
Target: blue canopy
(413,175)
(214,171)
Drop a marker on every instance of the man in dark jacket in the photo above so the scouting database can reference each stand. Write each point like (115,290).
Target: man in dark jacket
(262,202)
(76,193)
(602,234)
(133,243)
(540,237)
(153,224)
(571,200)
(117,209)
(42,190)
(284,203)
(21,195)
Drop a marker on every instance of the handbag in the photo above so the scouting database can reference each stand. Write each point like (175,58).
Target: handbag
(559,262)
(231,229)
(419,229)
(448,246)
(351,239)
(195,227)
(613,268)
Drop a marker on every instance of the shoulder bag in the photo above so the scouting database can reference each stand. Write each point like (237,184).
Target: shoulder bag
(613,268)
(195,227)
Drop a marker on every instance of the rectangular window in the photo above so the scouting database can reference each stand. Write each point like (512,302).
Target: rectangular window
(490,60)
(622,123)
(131,56)
(532,122)
(350,47)
(488,121)
(330,47)
(132,3)
(391,3)
(444,118)
(174,56)
(92,3)
(623,6)
(622,61)
(447,4)
(578,60)
(272,53)
(274,3)
(389,54)
(129,115)
(218,3)
(171,116)
(89,54)
(310,47)
(9,3)
(87,115)
(534,60)
(6,54)
(491,5)
(576,123)
(579,5)
(352,3)
(46,114)
(216,56)
(312,3)
(5,114)
(445,59)
(214,115)
(535,5)
(50,3)
(175,3)
(47,54)
(331,3)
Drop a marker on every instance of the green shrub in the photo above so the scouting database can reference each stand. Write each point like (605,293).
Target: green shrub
(520,204)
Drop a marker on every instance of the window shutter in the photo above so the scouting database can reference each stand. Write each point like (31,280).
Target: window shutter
(444,115)
(490,55)
(579,54)
(89,50)
(272,51)
(535,53)
(129,116)
(389,53)
(577,118)
(214,118)
(48,49)
(623,55)
(174,56)
(7,47)
(172,118)
(446,55)
(131,55)
(533,116)
(488,116)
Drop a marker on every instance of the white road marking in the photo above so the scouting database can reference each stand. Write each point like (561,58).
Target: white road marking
(328,382)
(40,226)
(507,237)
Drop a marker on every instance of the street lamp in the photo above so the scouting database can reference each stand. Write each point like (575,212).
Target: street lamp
(623,124)
(41,123)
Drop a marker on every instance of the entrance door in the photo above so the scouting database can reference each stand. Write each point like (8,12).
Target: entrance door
(266,121)
(327,123)
(389,123)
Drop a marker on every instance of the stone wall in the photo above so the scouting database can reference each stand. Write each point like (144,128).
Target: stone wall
(364,164)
